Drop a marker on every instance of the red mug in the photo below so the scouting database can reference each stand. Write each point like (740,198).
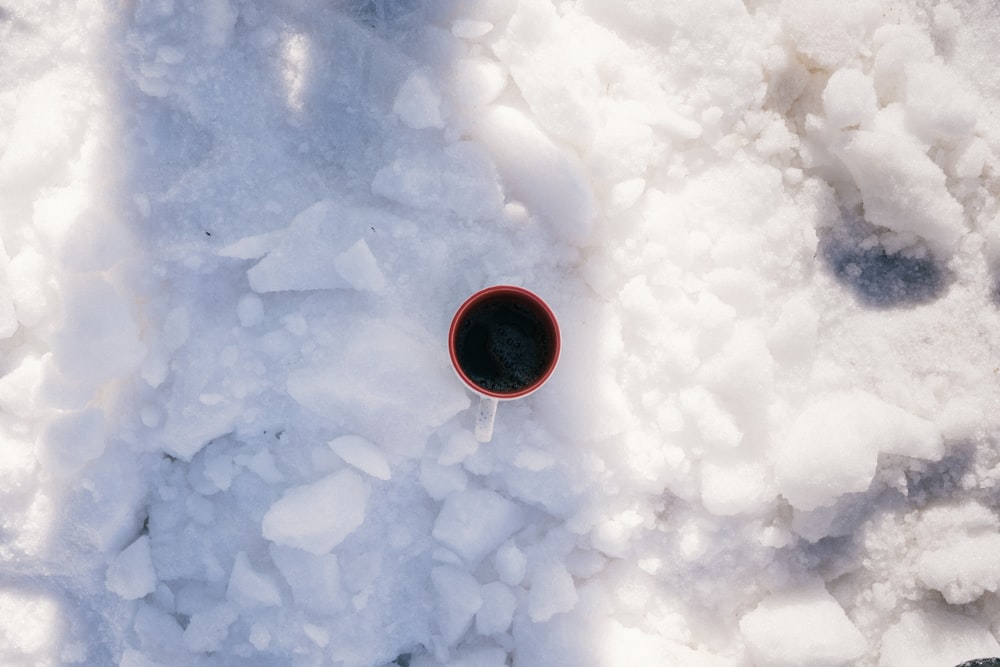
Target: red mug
(504,344)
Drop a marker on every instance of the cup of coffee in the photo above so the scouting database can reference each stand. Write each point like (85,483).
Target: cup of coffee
(504,344)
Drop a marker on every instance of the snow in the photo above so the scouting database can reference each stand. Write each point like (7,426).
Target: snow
(497,609)
(459,598)
(248,588)
(849,98)
(132,574)
(233,237)
(474,523)
(933,637)
(804,623)
(832,447)
(552,592)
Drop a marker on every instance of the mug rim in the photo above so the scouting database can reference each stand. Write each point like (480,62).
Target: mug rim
(477,298)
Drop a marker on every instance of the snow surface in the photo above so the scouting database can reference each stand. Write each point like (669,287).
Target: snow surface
(232,237)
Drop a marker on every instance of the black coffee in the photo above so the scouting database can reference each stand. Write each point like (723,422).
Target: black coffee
(502,345)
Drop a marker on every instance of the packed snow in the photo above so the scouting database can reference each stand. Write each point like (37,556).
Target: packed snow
(233,234)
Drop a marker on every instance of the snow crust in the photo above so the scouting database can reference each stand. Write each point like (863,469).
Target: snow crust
(233,234)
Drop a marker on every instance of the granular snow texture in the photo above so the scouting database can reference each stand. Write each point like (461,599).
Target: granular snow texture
(233,234)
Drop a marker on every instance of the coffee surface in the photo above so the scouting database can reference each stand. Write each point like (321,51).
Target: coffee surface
(502,346)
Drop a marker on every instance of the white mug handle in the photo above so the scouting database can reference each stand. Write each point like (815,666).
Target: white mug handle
(484,418)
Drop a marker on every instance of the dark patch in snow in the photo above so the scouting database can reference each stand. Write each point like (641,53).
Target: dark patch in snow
(995,291)
(877,278)
(929,480)
(378,13)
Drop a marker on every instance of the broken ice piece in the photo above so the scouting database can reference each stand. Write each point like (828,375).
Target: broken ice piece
(362,454)
(317,517)
(249,588)
(459,599)
(131,574)
(357,265)
(474,523)
(418,103)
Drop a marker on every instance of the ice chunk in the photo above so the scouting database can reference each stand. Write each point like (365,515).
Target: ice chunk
(462,179)
(441,480)
(188,429)
(621,152)
(46,128)
(251,247)
(477,81)
(832,446)
(316,635)
(497,609)
(248,588)
(131,574)
(549,180)
(734,485)
(71,440)
(260,637)
(555,73)
(314,579)
(359,268)
(612,534)
(385,380)
(474,523)
(964,570)
(159,632)
(317,517)
(418,103)
(458,599)
(714,423)
(362,454)
(932,637)
(803,626)
(301,259)
(207,630)
(937,103)
(898,47)
(849,98)
(830,34)
(557,642)
(250,310)
(458,447)
(625,646)
(511,564)
(552,591)
(583,400)
(263,465)
(160,635)
(968,159)
(216,468)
